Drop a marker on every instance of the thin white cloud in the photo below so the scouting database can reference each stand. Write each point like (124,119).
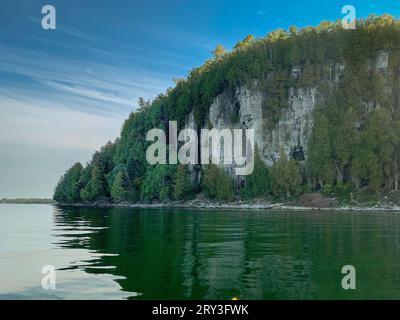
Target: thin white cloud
(89,80)
(68,31)
(182,38)
(96,43)
(33,122)
(91,93)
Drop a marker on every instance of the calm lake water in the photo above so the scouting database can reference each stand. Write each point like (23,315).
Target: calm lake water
(189,254)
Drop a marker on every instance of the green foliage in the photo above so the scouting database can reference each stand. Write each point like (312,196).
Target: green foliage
(286,178)
(217,184)
(258,184)
(277,98)
(344,191)
(120,185)
(350,143)
(183,186)
(373,163)
(320,159)
(119,189)
(158,183)
(96,187)
(68,188)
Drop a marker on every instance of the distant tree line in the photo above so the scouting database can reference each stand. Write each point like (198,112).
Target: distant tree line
(27,201)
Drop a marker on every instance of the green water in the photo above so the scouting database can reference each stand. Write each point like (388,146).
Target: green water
(182,254)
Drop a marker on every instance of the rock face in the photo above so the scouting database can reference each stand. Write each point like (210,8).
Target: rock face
(294,127)
(291,133)
(243,108)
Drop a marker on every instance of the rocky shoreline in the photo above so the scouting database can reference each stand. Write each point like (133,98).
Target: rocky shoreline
(238,205)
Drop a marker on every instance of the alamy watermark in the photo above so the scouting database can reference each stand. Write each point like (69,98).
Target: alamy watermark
(49,20)
(217,146)
(49,278)
(349,280)
(349,21)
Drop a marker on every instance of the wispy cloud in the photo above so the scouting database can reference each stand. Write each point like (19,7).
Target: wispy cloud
(120,50)
(102,83)
(62,102)
(32,121)
(90,93)
(79,34)
(181,38)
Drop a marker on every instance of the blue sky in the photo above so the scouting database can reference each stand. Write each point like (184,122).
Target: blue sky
(65,92)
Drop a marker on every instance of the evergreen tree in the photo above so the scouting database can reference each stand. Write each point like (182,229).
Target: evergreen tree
(68,188)
(96,189)
(320,158)
(183,186)
(258,184)
(119,187)
(158,183)
(373,161)
(217,184)
(286,177)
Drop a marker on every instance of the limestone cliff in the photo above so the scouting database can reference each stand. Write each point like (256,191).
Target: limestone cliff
(244,108)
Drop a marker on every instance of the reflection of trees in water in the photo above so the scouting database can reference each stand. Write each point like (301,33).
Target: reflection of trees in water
(174,254)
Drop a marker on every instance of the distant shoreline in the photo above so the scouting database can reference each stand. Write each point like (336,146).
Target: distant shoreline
(27,201)
(240,205)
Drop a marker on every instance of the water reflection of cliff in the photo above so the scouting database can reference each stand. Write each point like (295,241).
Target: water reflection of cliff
(217,255)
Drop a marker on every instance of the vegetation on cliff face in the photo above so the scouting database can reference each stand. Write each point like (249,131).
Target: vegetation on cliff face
(354,147)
